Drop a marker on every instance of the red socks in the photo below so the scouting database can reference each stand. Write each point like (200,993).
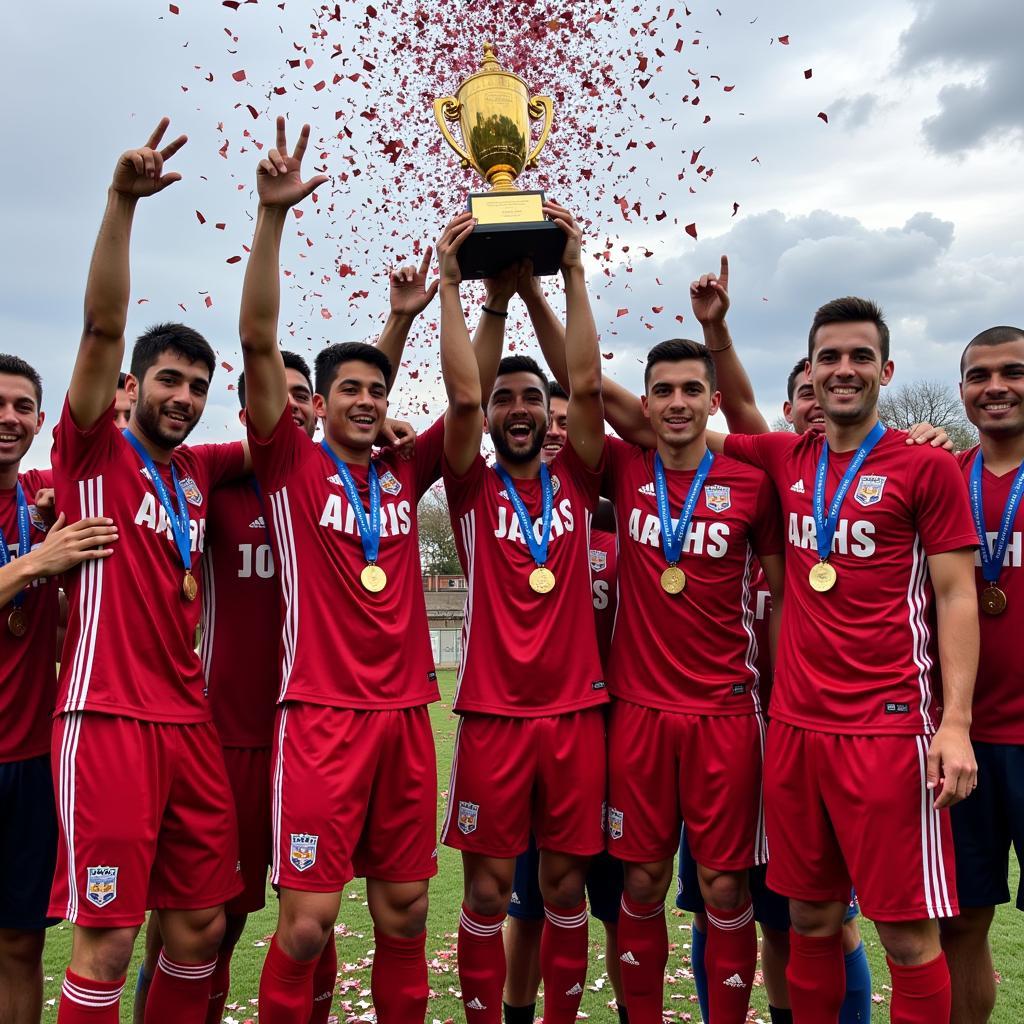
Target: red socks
(563,961)
(179,992)
(84,1001)
(481,966)
(730,959)
(643,953)
(398,980)
(817,977)
(325,977)
(920,994)
(220,984)
(286,987)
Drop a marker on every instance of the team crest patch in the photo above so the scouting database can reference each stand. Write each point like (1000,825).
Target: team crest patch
(717,498)
(869,490)
(101,885)
(36,518)
(389,483)
(468,814)
(303,852)
(556,485)
(598,560)
(191,491)
(615,822)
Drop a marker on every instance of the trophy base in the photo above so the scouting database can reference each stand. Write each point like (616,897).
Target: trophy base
(510,227)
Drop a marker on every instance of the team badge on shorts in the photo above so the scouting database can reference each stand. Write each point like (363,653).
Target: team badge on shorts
(869,490)
(598,560)
(468,814)
(303,852)
(101,885)
(190,489)
(389,483)
(717,498)
(615,823)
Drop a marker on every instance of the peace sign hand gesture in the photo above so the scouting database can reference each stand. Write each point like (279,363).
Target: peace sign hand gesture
(409,292)
(140,172)
(279,179)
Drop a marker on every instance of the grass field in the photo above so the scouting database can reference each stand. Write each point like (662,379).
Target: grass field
(354,935)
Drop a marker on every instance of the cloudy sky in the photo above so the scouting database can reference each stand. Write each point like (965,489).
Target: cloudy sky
(906,190)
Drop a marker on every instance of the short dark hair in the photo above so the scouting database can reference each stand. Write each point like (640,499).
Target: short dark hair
(328,361)
(292,361)
(850,309)
(676,350)
(170,337)
(990,337)
(17,367)
(122,381)
(794,375)
(524,364)
(555,390)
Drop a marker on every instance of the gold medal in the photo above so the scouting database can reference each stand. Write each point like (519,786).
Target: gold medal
(822,577)
(17,623)
(542,580)
(374,578)
(673,580)
(993,600)
(189,587)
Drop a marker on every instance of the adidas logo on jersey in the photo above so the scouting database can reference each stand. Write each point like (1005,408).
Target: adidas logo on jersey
(647,488)
(258,524)
(475,1004)
(628,958)
(798,487)
(576,990)
(735,981)
(515,898)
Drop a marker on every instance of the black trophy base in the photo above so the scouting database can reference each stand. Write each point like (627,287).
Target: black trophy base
(510,227)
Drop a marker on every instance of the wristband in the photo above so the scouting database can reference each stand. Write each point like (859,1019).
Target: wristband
(495,312)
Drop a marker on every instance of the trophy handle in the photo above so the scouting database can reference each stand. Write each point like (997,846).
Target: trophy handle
(540,106)
(448,108)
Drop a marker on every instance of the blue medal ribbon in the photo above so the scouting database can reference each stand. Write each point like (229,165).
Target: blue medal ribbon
(24,539)
(538,549)
(992,558)
(178,518)
(369,526)
(825,526)
(672,539)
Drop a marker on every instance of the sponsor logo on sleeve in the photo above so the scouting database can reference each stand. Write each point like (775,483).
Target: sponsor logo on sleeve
(303,850)
(869,490)
(101,885)
(468,815)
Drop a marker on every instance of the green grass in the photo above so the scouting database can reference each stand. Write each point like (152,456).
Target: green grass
(354,935)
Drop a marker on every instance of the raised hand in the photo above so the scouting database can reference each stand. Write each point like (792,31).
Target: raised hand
(410,294)
(279,181)
(140,172)
(572,257)
(709,295)
(448,245)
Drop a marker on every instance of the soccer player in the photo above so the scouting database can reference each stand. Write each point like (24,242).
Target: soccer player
(29,558)
(880,541)
(156,829)
(354,775)
(529,747)
(992,387)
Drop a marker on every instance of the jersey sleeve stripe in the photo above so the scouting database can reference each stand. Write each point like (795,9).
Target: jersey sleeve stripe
(467,524)
(289,582)
(921,634)
(209,616)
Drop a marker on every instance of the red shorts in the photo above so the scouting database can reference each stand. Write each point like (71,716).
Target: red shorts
(353,793)
(513,774)
(249,775)
(664,768)
(856,809)
(146,819)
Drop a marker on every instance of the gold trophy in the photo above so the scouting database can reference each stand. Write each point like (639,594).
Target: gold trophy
(494,110)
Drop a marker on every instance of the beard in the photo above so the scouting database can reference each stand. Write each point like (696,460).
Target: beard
(502,447)
(147,416)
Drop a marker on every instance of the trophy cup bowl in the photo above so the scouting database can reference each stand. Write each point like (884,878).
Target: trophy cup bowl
(494,111)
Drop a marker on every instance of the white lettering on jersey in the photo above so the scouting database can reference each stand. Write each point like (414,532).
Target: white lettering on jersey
(761,607)
(851,538)
(152,514)
(600,595)
(709,539)
(258,558)
(508,528)
(1011,560)
(395,517)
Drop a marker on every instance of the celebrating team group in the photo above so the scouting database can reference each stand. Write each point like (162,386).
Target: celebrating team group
(631,602)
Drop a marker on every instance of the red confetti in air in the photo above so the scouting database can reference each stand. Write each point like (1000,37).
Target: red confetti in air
(173,8)
(208,301)
(202,219)
(691,230)
(784,40)
(823,116)
(228,367)
(238,76)
(808,73)
(622,312)
(234,259)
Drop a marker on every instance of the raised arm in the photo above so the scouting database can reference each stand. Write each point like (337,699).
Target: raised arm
(709,298)
(464,420)
(582,354)
(280,186)
(139,173)
(409,296)
(489,336)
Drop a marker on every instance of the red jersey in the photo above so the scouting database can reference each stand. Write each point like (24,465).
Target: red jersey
(130,643)
(761,598)
(242,617)
(28,664)
(693,652)
(341,645)
(860,659)
(604,560)
(999,691)
(526,654)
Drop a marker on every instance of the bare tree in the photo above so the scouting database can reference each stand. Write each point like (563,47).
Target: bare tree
(438,554)
(781,425)
(928,401)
